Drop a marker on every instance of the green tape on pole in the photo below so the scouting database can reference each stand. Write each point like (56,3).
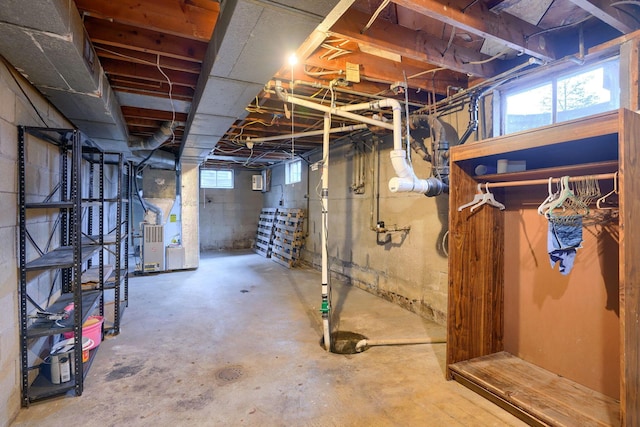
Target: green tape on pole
(325,307)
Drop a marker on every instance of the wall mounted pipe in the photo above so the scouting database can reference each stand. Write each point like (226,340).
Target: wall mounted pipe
(473,119)
(362,345)
(439,157)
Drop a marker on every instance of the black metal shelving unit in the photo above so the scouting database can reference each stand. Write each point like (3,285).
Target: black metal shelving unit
(115,240)
(55,261)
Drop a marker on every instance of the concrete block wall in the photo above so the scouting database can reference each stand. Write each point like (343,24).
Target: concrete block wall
(408,268)
(229,217)
(20,104)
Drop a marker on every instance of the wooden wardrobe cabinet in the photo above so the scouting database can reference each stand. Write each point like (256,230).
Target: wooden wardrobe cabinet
(553,349)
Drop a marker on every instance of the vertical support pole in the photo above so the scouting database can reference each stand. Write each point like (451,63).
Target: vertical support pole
(75,232)
(22,290)
(326,291)
(118,249)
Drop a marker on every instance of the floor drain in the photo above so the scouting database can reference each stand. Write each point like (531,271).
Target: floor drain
(230,374)
(344,342)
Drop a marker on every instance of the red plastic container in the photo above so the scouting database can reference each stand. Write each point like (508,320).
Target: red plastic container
(91,328)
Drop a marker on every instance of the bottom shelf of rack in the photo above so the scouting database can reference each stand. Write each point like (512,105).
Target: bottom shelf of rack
(534,394)
(42,388)
(113,327)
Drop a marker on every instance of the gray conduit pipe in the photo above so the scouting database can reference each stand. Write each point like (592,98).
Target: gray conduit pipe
(362,345)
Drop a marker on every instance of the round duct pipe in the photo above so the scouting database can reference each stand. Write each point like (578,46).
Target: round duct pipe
(158,138)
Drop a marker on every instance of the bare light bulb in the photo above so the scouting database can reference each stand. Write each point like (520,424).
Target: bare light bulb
(293,59)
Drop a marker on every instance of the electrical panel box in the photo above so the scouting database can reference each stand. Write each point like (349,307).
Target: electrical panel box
(256,182)
(153,254)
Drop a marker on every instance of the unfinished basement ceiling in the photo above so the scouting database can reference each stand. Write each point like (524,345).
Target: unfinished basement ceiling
(210,67)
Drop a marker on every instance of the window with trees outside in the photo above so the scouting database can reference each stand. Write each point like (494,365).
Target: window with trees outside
(293,172)
(216,178)
(590,90)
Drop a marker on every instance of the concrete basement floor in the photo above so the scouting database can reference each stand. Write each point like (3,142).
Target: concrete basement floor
(237,343)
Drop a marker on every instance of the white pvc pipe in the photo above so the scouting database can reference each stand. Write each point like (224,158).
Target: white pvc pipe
(406,179)
(363,344)
(307,133)
(326,303)
(338,112)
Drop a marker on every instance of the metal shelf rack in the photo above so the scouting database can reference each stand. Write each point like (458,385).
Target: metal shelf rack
(51,257)
(114,241)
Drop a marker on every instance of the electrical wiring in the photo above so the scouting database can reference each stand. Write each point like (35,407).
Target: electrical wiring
(237,139)
(258,109)
(228,152)
(173,108)
(451,36)
(157,65)
(560,27)
(321,73)
(421,73)
(384,4)
(333,52)
(485,61)
(248,158)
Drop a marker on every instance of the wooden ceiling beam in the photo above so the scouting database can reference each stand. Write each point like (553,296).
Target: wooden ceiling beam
(412,44)
(612,16)
(147,72)
(381,69)
(128,37)
(176,92)
(149,114)
(192,19)
(121,54)
(505,29)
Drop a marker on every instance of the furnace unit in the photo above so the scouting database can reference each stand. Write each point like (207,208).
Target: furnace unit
(152,248)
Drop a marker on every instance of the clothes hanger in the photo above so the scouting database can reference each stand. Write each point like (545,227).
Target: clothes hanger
(488,199)
(477,198)
(602,199)
(567,201)
(542,209)
(564,194)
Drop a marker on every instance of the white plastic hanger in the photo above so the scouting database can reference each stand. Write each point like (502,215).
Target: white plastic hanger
(477,198)
(482,198)
(566,200)
(601,200)
(542,209)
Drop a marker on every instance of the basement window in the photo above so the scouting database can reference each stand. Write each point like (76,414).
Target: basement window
(590,90)
(216,178)
(293,172)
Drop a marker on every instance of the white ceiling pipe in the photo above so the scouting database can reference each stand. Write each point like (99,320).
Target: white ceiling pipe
(337,111)
(308,133)
(406,180)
